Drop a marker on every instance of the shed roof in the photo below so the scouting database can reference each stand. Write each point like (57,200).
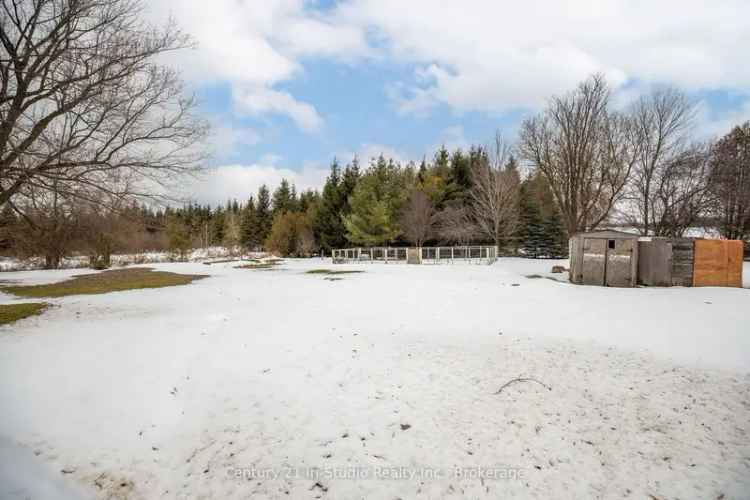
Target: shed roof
(608,234)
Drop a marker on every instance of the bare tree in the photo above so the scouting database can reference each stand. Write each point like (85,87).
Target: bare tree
(454,224)
(494,194)
(731,182)
(662,122)
(49,226)
(585,150)
(681,196)
(306,245)
(418,218)
(84,105)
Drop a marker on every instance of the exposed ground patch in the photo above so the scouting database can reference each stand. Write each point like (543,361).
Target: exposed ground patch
(104,282)
(10,313)
(331,272)
(259,264)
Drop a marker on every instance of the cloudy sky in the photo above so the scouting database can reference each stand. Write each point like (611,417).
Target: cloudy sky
(290,84)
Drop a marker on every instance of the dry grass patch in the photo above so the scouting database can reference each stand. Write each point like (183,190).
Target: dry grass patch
(108,281)
(331,272)
(10,313)
(270,264)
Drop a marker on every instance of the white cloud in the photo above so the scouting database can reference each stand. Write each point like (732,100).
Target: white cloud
(368,152)
(494,56)
(218,184)
(452,138)
(256,45)
(258,101)
(714,125)
(474,55)
(225,139)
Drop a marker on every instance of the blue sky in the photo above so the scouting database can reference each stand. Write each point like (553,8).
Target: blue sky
(290,84)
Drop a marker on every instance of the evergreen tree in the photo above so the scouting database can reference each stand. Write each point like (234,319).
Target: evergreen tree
(441,163)
(327,224)
(422,172)
(217,227)
(531,228)
(307,200)
(375,205)
(349,181)
(179,238)
(263,213)
(541,232)
(459,179)
(284,198)
(555,239)
(249,230)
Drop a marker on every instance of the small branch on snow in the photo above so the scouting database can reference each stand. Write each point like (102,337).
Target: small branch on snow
(522,379)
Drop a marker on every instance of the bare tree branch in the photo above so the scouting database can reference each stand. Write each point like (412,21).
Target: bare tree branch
(84,103)
(585,151)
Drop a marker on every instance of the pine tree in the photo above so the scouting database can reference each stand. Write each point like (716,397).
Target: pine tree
(179,238)
(327,223)
(422,172)
(217,226)
(531,229)
(263,213)
(555,240)
(284,198)
(459,179)
(308,200)
(249,231)
(441,163)
(349,181)
(375,205)
(541,232)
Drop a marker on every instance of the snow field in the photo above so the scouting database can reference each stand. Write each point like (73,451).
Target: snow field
(226,387)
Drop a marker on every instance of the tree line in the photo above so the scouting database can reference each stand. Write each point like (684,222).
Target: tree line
(447,200)
(95,132)
(576,166)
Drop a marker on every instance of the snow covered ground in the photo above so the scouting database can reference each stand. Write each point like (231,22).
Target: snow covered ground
(280,384)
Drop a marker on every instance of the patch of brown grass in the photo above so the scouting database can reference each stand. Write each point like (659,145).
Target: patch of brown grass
(10,313)
(118,280)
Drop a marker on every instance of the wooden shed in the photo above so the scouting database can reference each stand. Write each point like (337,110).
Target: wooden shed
(613,258)
(604,258)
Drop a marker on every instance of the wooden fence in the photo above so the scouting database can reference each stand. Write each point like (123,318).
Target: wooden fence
(417,255)
(718,263)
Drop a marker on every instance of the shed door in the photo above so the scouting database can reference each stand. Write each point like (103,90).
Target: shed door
(655,263)
(620,262)
(594,254)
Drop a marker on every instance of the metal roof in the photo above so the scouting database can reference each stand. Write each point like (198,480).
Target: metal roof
(608,234)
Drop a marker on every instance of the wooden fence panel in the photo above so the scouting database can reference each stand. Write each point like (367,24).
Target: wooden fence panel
(683,255)
(718,263)
(735,256)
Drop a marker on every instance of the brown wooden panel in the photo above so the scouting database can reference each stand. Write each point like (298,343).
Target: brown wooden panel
(594,254)
(735,254)
(718,263)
